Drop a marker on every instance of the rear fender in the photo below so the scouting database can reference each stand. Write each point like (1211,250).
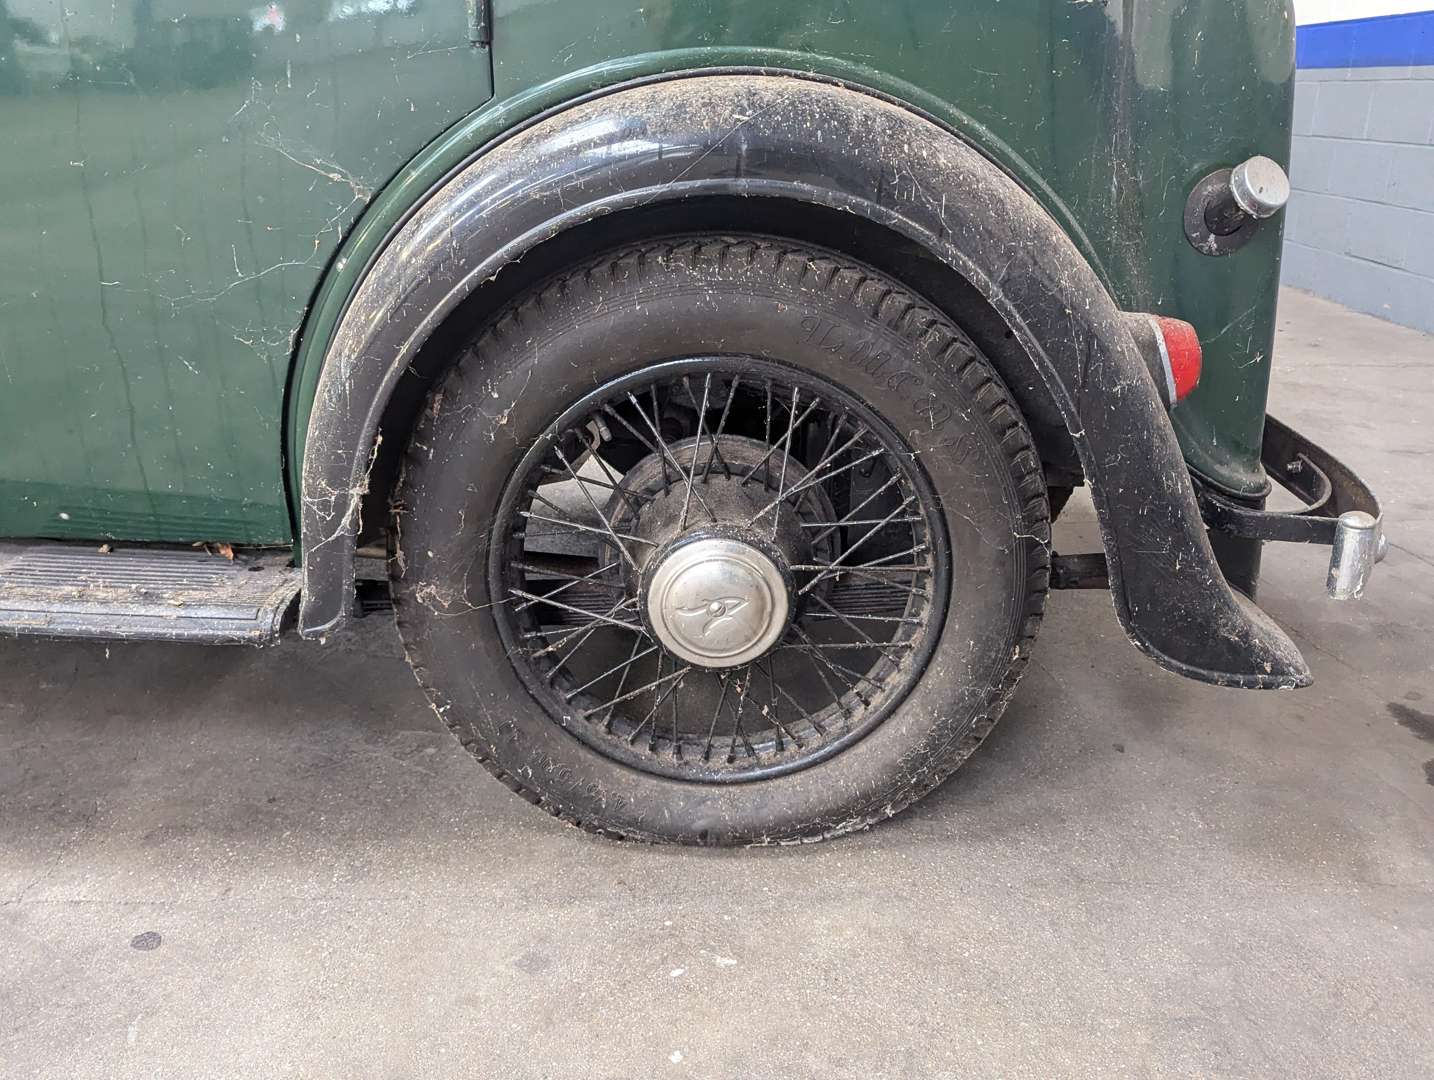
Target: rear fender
(780,137)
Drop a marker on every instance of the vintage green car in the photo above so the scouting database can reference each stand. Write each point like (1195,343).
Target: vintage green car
(708,372)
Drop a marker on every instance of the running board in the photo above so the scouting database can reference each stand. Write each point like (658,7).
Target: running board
(139,593)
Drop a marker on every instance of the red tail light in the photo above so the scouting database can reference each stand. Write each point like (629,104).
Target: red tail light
(1171,349)
(1180,353)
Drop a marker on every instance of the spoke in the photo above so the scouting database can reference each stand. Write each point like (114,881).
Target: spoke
(894,479)
(860,572)
(712,727)
(767,422)
(666,451)
(538,496)
(864,618)
(639,436)
(813,652)
(572,580)
(793,423)
(636,693)
(606,524)
(884,563)
(836,694)
(864,521)
(742,689)
(770,710)
(786,460)
(652,712)
(827,453)
(585,630)
(819,651)
(676,745)
(855,629)
(607,720)
(722,423)
(878,565)
(657,699)
(608,485)
(635,499)
(583,528)
(562,661)
(716,452)
(541,570)
(529,635)
(836,563)
(772,691)
(692,470)
(577,610)
(812,479)
(623,666)
(874,568)
(865,646)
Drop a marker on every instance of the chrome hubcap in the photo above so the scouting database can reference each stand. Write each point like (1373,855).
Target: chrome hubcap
(717,602)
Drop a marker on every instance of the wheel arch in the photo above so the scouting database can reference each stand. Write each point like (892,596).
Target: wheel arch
(753,137)
(427,175)
(800,222)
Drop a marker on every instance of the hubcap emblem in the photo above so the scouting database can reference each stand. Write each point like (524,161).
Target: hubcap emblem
(717,602)
(715,613)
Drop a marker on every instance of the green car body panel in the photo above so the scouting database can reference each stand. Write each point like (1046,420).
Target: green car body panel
(192,197)
(174,187)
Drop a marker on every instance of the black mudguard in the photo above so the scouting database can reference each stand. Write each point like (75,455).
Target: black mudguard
(779,136)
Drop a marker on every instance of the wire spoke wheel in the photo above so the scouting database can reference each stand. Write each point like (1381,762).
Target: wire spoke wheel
(719,569)
(720,539)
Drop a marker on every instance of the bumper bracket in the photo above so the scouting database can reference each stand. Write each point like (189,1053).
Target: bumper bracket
(1339,509)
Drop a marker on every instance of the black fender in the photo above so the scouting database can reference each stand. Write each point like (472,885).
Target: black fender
(779,136)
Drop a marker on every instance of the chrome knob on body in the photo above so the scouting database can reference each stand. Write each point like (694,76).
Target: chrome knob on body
(1260,187)
(1225,209)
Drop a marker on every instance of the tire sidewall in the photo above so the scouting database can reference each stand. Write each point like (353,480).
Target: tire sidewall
(908,363)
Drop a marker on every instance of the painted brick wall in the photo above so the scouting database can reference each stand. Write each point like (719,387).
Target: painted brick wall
(1360,226)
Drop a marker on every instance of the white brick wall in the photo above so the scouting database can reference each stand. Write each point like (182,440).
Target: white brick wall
(1360,227)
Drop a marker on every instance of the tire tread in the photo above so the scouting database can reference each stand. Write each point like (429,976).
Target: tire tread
(900,310)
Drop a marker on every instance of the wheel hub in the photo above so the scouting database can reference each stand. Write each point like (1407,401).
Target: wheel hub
(717,601)
(713,576)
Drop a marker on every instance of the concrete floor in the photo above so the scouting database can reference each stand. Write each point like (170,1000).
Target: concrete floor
(230,863)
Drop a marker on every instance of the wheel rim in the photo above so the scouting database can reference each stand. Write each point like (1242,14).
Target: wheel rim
(719,569)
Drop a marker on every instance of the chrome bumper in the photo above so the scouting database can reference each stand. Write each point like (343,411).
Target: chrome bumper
(1359,543)
(1339,511)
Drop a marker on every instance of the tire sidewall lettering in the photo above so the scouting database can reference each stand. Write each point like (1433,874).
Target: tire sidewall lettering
(863,353)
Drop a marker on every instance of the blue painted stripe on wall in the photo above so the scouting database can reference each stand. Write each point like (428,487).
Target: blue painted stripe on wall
(1384,41)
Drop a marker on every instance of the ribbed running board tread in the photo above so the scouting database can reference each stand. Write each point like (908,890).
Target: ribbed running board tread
(160,594)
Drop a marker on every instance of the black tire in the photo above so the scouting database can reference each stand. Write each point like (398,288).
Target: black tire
(819,314)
